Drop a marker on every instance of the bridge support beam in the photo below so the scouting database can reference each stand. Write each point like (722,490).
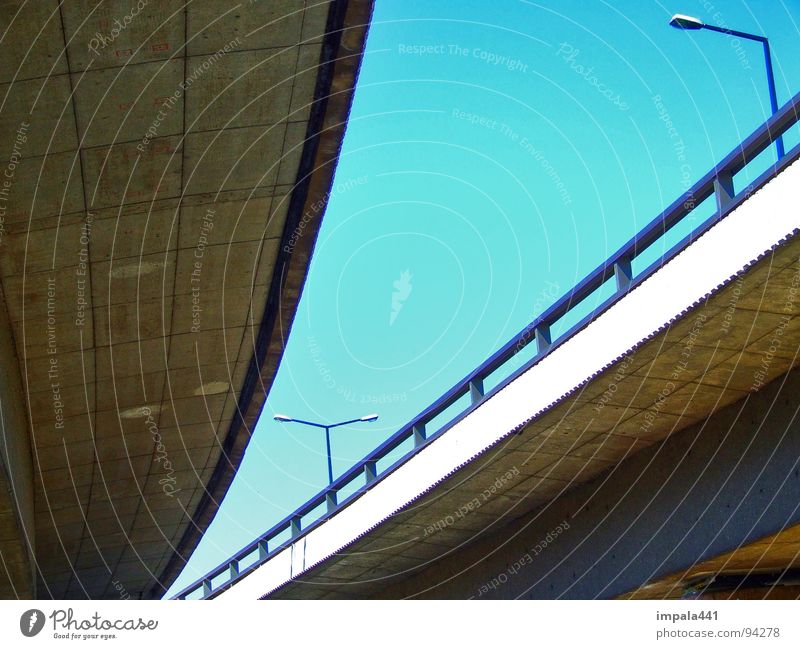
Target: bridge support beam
(704,491)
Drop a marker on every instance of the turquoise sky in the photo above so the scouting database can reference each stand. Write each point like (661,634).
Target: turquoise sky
(496,153)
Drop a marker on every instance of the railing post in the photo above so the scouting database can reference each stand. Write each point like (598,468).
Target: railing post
(233,570)
(476,390)
(294,527)
(206,588)
(723,189)
(623,274)
(419,435)
(263,550)
(370,472)
(542,334)
(331,501)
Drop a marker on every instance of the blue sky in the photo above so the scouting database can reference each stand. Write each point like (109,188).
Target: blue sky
(496,153)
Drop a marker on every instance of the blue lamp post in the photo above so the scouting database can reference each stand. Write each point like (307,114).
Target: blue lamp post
(679,21)
(327,428)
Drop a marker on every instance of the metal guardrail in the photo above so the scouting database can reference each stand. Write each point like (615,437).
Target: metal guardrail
(718,182)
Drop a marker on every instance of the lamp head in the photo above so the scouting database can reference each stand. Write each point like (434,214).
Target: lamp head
(371,417)
(283,418)
(679,21)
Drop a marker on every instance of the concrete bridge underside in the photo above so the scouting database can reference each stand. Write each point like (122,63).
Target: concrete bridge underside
(651,487)
(162,171)
(681,456)
(702,501)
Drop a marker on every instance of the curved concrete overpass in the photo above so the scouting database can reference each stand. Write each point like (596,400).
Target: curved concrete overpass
(652,437)
(165,167)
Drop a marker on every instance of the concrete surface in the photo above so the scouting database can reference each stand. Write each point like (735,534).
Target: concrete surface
(153,153)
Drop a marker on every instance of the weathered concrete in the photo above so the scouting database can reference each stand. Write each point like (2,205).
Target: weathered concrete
(161,158)
(772,555)
(710,489)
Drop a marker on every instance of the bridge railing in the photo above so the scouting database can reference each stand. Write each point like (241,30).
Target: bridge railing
(365,474)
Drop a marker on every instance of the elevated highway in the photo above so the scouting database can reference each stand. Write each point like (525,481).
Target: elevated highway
(642,440)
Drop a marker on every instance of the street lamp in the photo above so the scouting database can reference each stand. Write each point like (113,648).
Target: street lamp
(286,419)
(679,21)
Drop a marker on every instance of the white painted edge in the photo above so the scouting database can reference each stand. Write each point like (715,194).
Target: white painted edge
(752,230)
